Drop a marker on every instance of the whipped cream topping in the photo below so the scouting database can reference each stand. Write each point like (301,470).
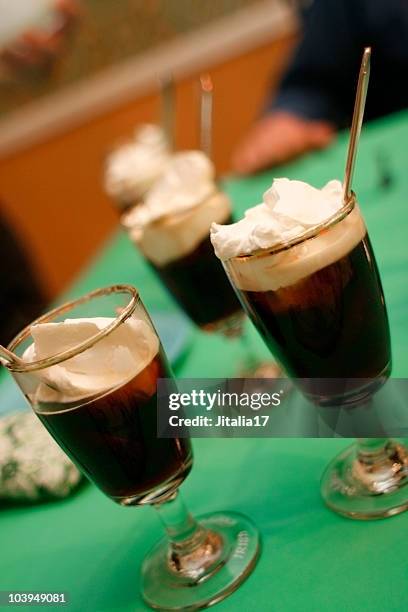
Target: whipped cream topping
(289,209)
(179,210)
(112,361)
(188,180)
(133,168)
(173,237)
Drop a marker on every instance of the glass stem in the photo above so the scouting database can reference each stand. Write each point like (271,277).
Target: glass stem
(193,550)
(382,464)
(371,446)
(372,450)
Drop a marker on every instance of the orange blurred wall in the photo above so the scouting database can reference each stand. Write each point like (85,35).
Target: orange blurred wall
(52,192)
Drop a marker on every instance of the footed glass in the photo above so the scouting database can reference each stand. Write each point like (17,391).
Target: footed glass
(318,303)
(108,427)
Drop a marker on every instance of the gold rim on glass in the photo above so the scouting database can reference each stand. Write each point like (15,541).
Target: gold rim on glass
(124,314)
(310,233)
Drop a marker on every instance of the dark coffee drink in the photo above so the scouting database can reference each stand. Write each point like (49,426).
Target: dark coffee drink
(331,324)
(113,438)
(198,283)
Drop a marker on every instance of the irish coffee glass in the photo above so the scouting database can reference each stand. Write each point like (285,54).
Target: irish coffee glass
(318,303)
(111,434)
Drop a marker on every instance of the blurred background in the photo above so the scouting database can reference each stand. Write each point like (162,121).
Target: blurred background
(76,76)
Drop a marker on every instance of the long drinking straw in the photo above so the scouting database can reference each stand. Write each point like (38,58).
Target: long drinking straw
(7,357)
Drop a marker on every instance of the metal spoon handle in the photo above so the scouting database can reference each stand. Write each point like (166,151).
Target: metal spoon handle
(358,115)
(7,356)
(167,91)
(206,114)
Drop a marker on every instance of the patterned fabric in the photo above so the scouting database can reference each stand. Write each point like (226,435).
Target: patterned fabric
(32,466)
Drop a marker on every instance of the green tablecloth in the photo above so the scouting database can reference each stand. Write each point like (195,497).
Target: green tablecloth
(312,560)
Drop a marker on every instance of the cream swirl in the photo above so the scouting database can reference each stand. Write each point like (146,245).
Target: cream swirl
(189,180)
(113,360)
(289,208)
(178,211)
(133,168)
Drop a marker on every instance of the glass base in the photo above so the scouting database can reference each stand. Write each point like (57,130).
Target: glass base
(237,543)
(368,486)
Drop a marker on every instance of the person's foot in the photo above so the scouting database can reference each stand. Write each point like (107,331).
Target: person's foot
(277,138)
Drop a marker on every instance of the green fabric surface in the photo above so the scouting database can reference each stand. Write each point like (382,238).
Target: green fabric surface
(312,559)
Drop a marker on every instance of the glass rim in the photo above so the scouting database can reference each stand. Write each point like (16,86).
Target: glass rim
(304,236)
(39,364)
